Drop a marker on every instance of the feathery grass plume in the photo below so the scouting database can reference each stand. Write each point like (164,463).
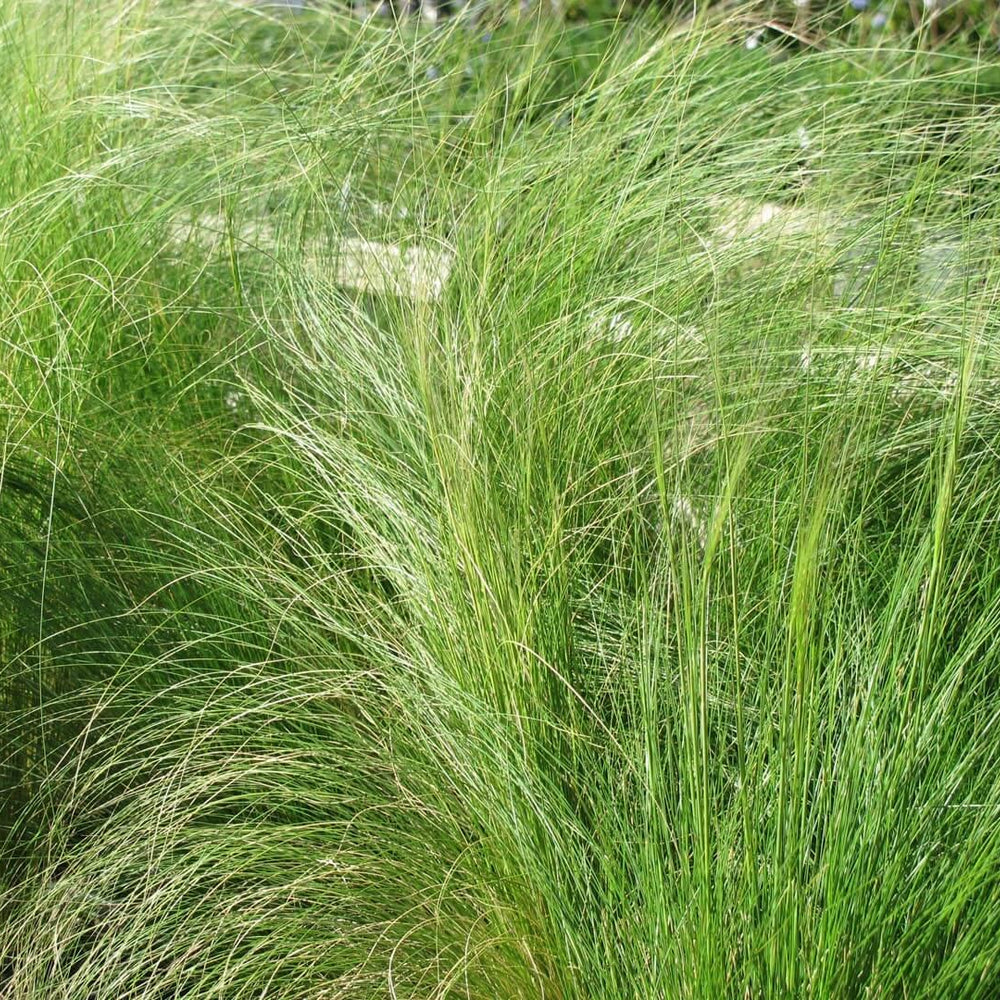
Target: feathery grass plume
(615,621)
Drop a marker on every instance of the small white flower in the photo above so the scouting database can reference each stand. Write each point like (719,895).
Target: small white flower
(232,400)
(753,40)
(802,134)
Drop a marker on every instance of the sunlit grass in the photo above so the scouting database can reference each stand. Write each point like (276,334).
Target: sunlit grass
(616,621)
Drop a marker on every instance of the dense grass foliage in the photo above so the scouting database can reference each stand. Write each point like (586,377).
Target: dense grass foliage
(619,622)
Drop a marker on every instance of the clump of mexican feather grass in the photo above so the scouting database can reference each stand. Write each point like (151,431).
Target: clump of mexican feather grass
(619,623)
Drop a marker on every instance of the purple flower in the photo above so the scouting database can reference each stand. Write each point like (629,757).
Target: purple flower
(859,4)
(880,20)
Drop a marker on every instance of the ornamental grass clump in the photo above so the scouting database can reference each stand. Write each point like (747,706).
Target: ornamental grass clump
(616,621)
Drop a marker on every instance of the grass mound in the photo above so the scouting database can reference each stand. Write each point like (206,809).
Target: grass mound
(609,614)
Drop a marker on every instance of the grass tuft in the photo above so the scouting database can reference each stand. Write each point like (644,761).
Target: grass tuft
(608,614)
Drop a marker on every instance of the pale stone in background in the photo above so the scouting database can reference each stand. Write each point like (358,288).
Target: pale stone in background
(418,271)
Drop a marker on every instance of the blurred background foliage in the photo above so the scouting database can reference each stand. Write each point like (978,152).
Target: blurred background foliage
(934,23)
